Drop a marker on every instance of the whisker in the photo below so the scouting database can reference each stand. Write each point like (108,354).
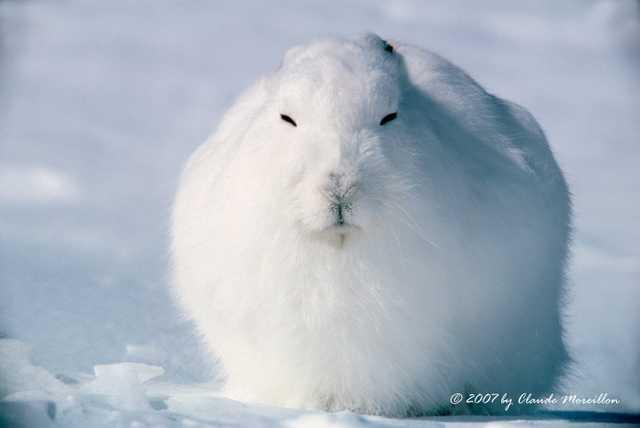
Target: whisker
(405,217)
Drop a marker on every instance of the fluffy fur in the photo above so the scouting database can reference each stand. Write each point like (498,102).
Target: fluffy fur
(341,264)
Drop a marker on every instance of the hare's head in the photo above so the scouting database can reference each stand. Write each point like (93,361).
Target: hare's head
(334,117)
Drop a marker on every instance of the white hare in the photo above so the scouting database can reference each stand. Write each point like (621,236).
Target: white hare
(369,229)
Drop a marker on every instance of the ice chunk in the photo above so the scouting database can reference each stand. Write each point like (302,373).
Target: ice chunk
(120,385)
(142,372)
(18,374)
(25,414)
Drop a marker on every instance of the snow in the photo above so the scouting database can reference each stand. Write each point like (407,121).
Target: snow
(138,395)
(101,102)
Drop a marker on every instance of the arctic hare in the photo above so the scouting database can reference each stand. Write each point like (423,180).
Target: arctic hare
(369,229)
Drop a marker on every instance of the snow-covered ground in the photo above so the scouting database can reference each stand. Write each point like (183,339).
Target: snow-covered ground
(101,102)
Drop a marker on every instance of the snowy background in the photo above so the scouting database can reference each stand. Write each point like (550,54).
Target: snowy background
(102,102)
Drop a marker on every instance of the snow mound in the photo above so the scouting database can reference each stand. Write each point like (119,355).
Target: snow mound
(136,395)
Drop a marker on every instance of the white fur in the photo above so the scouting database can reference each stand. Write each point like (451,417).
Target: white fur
(450,276)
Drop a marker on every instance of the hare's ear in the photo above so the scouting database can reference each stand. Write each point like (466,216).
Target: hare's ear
(388,47)
(377,42)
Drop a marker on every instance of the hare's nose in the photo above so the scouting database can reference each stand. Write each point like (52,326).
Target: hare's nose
(340,188)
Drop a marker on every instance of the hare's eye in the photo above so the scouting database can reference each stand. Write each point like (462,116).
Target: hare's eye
(388,118)
(288,119)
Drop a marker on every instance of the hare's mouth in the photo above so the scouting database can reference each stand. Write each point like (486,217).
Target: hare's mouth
(341,228)
(338,234)
(333,223)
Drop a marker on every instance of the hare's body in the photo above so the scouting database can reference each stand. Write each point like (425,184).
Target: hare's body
(335,259)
